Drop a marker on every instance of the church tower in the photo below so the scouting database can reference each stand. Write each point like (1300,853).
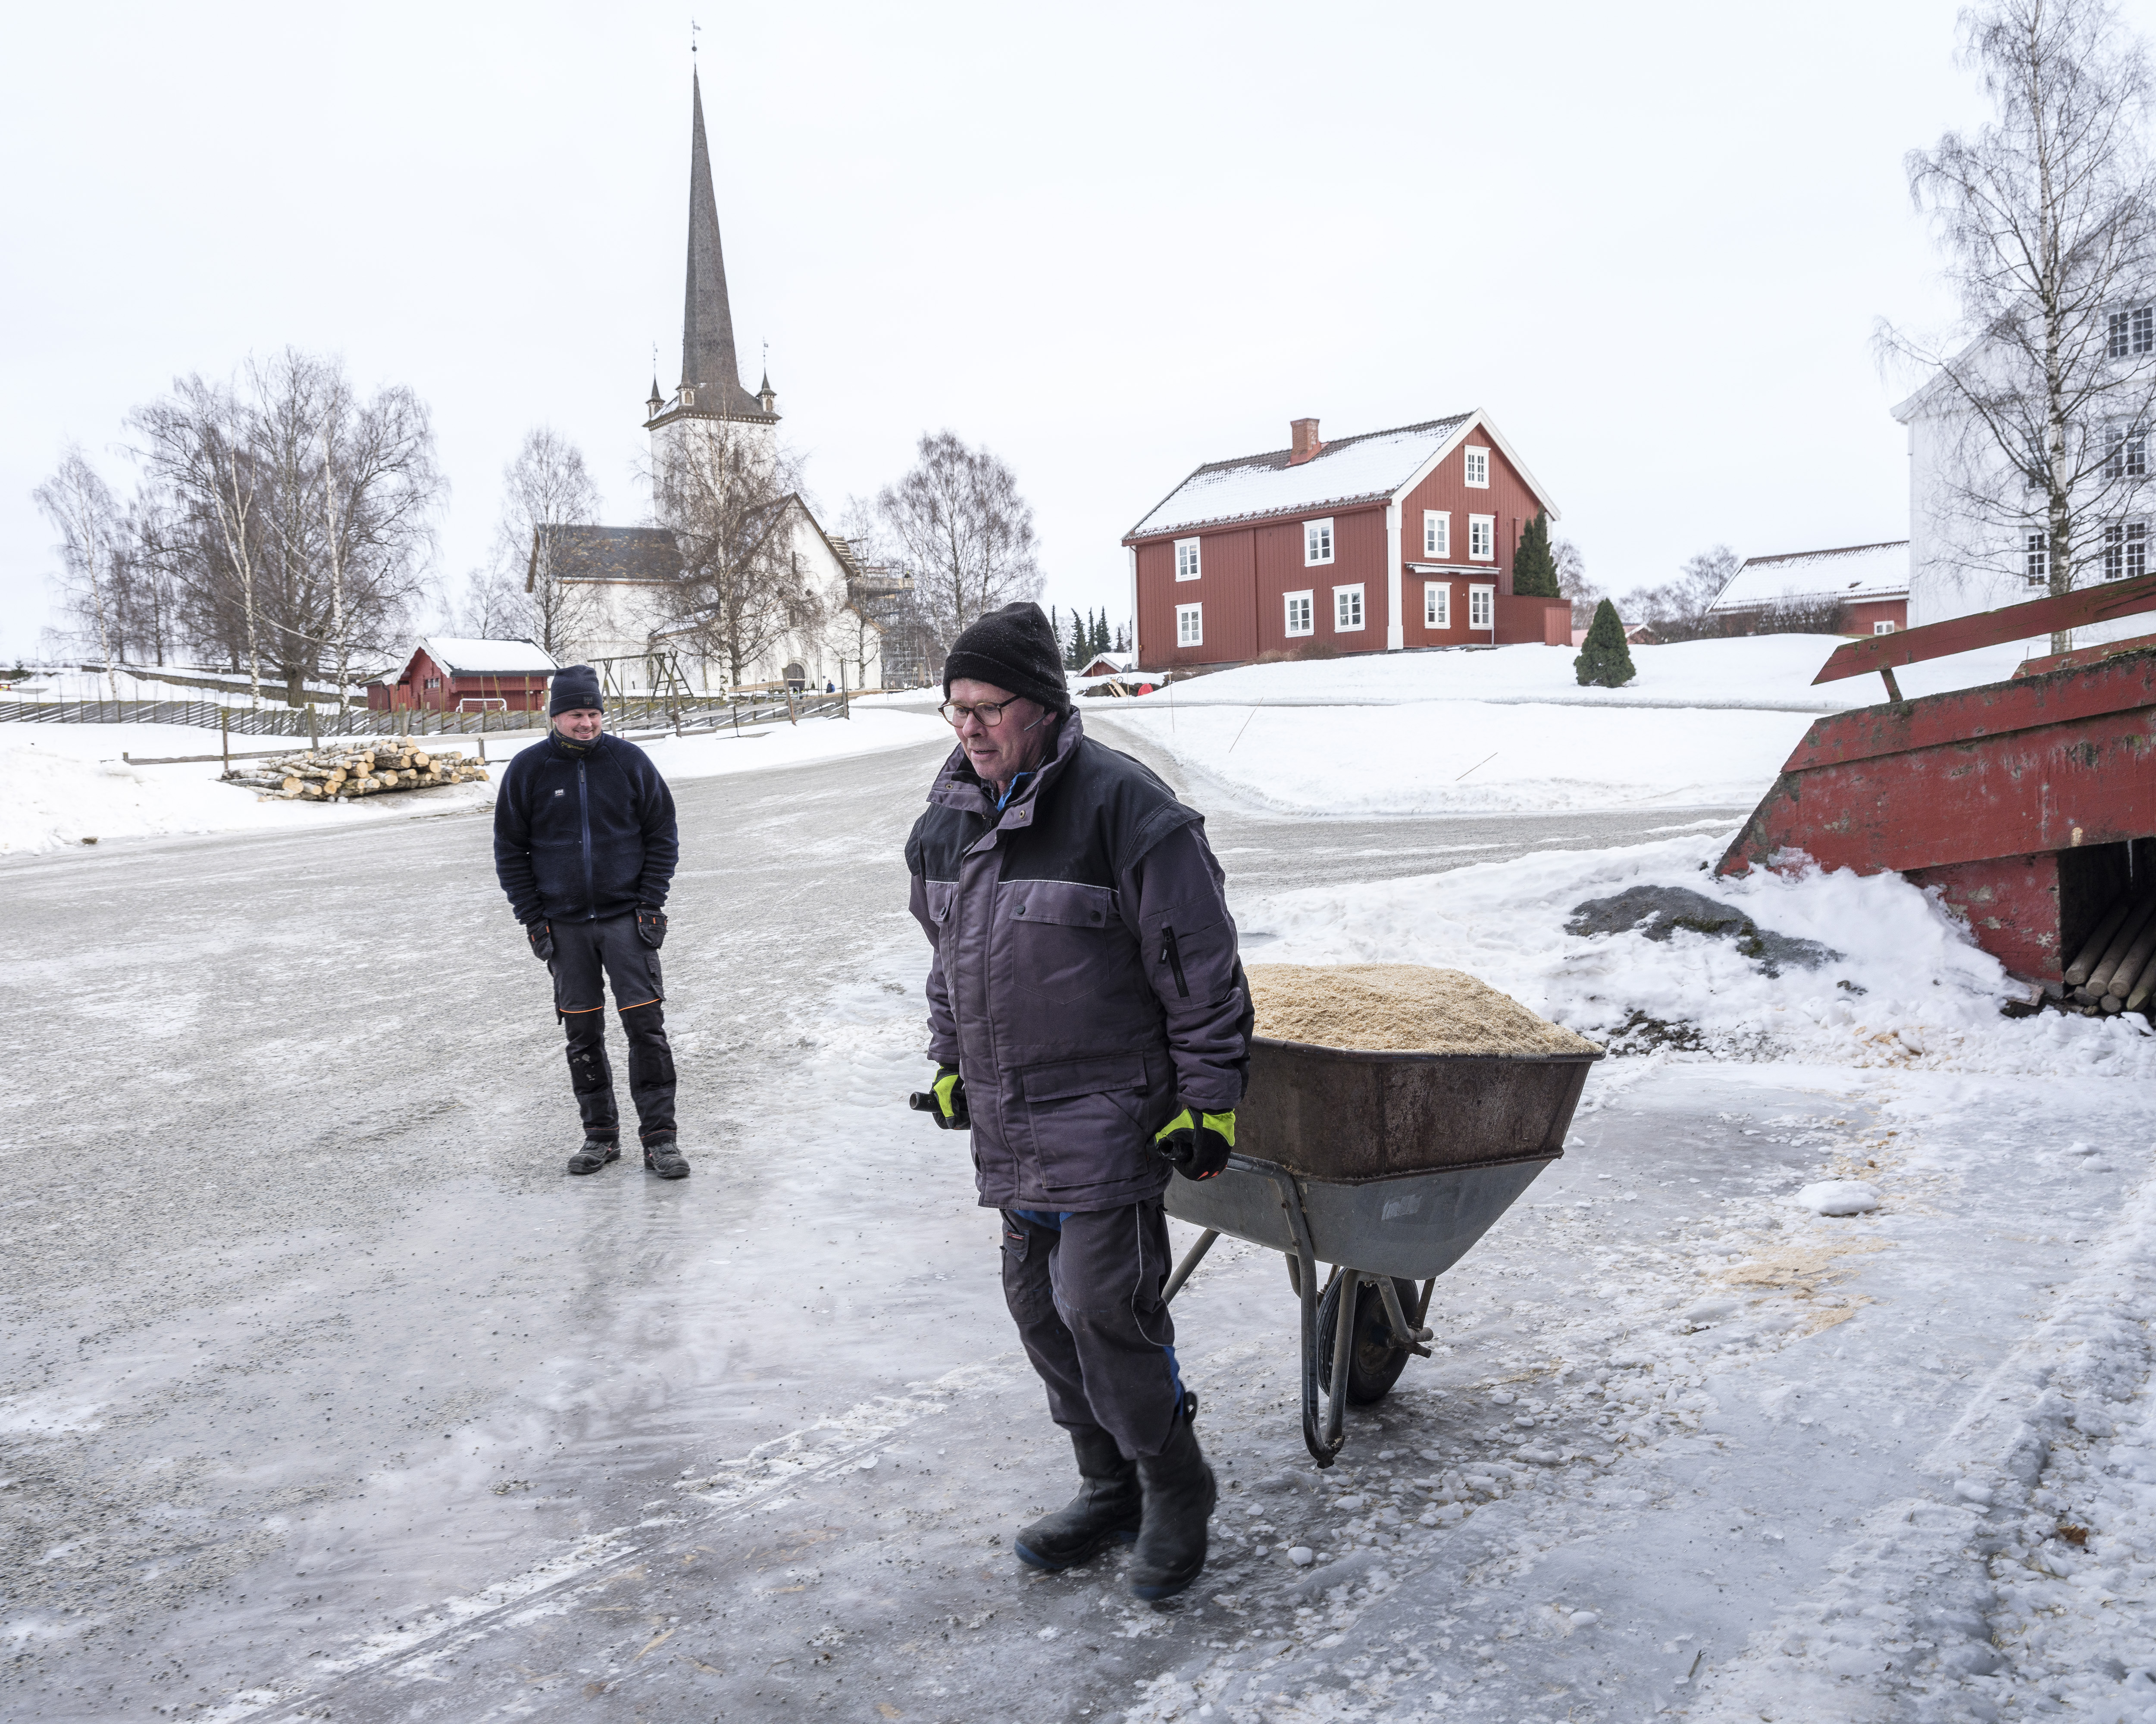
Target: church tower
(710,400)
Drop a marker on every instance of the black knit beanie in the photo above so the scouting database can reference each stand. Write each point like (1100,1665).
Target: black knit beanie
(576,688)
(1013,649)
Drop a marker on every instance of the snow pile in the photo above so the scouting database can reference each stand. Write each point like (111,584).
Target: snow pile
(1907,989)
(1462,757)
(63,784)
(1771,672)
(1839,1196)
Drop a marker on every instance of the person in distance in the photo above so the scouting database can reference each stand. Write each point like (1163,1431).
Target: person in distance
(585,846)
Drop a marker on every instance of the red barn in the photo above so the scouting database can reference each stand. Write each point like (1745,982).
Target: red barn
(1391,539)
(449,675)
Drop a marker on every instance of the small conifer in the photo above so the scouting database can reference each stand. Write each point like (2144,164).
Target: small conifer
(1534,570)
(1604,660)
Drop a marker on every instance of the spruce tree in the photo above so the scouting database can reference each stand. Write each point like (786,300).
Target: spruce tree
(1604,660)
(1534,570)
(1100,636)
(1074,642)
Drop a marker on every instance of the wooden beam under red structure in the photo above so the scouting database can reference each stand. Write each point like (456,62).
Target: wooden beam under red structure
(2013,622)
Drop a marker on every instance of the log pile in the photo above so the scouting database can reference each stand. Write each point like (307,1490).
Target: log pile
(371,768)
(2115,970)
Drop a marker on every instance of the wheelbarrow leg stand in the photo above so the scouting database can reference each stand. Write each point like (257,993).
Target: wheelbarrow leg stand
(1322,1438)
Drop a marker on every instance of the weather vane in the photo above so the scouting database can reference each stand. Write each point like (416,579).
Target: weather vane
(694,28)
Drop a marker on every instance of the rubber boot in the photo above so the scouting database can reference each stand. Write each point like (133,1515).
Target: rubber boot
(595,1154)
(1179,1495)
(1104,1510)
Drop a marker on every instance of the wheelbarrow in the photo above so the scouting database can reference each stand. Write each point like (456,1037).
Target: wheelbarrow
(1387,1167)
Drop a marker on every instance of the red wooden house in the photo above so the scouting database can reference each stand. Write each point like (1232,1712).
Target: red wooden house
(447,676)
(1391,539)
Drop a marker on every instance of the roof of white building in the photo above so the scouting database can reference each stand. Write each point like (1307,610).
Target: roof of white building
(1851,573)
(1346,470)
(488,658)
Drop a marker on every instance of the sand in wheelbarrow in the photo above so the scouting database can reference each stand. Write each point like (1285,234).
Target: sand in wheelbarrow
(1399,1008)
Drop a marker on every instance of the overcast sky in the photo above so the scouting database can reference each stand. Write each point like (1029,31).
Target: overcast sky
(1109,243)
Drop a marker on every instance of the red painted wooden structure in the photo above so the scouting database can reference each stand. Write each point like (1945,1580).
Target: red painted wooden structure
(2017,799)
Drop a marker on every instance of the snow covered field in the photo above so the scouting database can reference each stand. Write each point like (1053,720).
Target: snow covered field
(67,784)
(1706,723)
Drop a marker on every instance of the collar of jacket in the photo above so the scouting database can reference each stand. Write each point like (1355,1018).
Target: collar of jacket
(575,750)
(959,786)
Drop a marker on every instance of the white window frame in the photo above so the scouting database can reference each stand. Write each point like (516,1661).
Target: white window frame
(1308,599)
(1186,560)
(1477,469)
(1482,530)
(1436,532)
(1348,603)
(1189,625)
(2037,558)
(1481,607)
(1882,627)
(1437,604)
(1317,543)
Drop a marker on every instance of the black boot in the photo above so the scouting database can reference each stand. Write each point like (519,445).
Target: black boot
(1104,1510)
(664,1158)
(595,1154)
(1179,1495)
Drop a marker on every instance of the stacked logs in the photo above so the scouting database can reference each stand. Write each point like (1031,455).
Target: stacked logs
(370,769)
(2116,970)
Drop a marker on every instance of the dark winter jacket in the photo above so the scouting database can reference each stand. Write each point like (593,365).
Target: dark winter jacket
(1085,979)
(583,837)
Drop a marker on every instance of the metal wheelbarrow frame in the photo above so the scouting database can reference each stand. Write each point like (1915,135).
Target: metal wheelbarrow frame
(1384,1165)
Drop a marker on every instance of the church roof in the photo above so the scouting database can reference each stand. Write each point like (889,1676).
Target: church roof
(606,553)
(709,365)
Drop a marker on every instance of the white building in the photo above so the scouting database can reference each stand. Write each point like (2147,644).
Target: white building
(624,580)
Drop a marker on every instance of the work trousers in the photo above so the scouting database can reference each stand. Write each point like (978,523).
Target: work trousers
(583,953)
(1084,1289)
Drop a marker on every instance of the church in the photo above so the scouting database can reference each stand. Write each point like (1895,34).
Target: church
(789,602)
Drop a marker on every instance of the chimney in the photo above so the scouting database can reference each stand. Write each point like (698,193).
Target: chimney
(1303,441)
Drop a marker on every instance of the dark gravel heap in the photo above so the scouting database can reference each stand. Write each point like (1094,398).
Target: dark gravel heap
(1666,909)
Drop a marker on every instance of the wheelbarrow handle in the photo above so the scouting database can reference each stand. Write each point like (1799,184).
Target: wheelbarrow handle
(923,1101)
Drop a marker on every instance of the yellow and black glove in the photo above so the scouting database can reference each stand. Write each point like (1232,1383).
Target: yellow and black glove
(1197,1145)
(945,1098)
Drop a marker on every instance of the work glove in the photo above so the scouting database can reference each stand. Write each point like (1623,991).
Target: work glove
(651,925)
(540,934)
(945,1099)
(1197,1145)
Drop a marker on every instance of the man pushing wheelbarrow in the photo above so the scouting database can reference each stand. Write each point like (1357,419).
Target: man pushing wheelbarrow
(1091,1026)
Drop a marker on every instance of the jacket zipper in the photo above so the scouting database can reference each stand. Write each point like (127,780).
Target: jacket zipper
(1172,956)
(584,816)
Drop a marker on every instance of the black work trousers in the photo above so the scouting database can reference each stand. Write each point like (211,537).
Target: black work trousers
(1084,1289)
(583,953)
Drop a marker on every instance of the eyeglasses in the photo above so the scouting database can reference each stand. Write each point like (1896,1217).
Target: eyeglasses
(990,712)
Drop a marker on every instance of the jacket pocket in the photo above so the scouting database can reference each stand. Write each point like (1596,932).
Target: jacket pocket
(941,895)
(1084,1115)
(1067,942)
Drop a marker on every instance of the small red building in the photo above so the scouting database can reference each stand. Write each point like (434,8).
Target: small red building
(1853,589)
(450,676)
(1372,543)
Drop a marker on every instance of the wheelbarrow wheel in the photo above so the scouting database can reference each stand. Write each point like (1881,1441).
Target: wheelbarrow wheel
(1375,1364)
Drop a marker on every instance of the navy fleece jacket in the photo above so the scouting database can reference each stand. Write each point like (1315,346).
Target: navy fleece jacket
(583,836)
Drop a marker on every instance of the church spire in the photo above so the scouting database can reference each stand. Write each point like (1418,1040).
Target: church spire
(709,371)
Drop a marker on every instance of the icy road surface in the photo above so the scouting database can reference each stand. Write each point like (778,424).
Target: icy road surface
(326,1395)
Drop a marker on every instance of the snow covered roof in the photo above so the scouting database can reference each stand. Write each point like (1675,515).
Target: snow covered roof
(488,658)
(1366,469)
(1853,571)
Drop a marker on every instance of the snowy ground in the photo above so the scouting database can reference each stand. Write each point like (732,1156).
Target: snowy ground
(322,1394)
(62,785)
(1705,722)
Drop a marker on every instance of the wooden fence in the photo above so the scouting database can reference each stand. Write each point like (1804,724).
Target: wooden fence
(623,713)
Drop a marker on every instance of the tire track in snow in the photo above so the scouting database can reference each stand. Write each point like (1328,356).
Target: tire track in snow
(757,1482)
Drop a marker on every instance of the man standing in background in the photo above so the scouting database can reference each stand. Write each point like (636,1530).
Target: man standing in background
(585,846)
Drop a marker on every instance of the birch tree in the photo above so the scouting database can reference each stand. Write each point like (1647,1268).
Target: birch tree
(546,485)
(727,493)
(2045,215)
(81,509)
(957,521)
